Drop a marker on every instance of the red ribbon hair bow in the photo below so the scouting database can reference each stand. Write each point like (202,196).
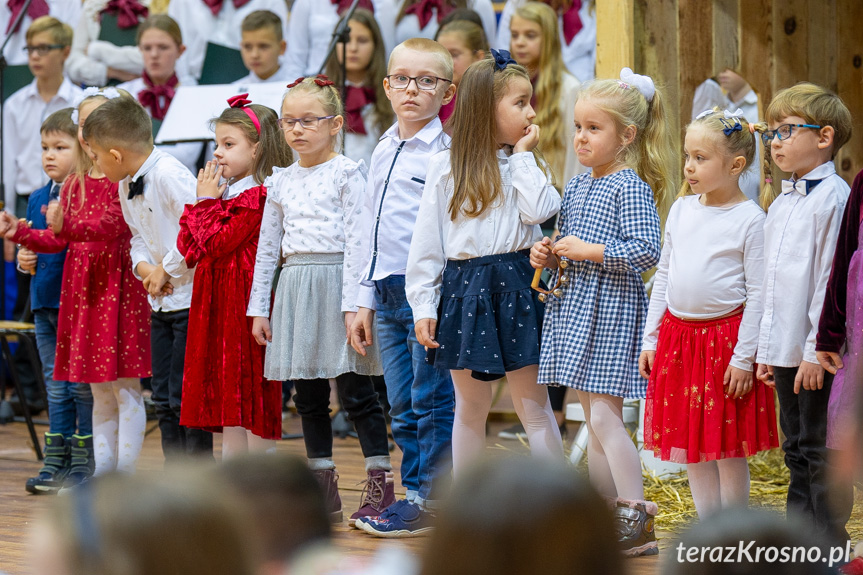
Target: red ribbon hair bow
(296,82)
(322,80)
(239,101)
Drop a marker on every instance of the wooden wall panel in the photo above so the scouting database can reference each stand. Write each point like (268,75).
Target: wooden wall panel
(696,51)
(849,82)
(790,49)
(726,33)
(615,37)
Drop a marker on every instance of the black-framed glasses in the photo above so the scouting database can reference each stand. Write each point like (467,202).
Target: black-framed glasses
(784,132)
(402,81)
(42,49)
(308,123)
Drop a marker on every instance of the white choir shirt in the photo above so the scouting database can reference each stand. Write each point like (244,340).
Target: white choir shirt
(409,27)
(187,152)
(281,76)
(66,11)
(579,56)
(712,263)
(154,219)
(234,189)
(23,114)
(90,57)
(528,199)
(800,237)
(199,27)
(310,211)
(311,31)
(395,185)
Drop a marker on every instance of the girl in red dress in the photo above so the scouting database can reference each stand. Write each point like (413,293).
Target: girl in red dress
(103,332)
(224,389)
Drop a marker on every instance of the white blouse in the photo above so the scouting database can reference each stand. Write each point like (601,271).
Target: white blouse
(310,211)
(528,200)
(409,26)
(712,263)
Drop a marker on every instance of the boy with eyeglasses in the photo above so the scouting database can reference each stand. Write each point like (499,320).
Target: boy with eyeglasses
(808,125)
(421,396)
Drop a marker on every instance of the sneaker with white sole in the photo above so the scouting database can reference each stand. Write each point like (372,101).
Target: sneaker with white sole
(407,520)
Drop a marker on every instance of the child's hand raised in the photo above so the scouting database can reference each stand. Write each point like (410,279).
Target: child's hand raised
(738,382)
(541,256)
(8,225)
(529,141)
(208,181)
(54,216)
(645,362)
(425,330)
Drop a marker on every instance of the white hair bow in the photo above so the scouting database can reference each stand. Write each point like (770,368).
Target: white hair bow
(108,93)
(643,84)
(735,115)
(704,113)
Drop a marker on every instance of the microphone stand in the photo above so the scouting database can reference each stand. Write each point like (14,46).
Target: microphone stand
(3,66)
(341,35)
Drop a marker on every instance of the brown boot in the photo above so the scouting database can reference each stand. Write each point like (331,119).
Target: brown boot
(378,494)
(634,523)
(328,479)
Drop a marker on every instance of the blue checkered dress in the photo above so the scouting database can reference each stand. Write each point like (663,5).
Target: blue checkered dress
(591,337)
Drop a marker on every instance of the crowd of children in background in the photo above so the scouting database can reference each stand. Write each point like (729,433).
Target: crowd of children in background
(416,254)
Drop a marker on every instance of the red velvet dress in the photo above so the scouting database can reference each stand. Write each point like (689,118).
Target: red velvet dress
(103,332)
(223,380)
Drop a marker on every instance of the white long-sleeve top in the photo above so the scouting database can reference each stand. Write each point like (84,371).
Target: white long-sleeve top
(527,200)
(712,263)
(397,177)
(154,219)
(90,57)
(799,241)
(409,26)
(66,11)
(310,211)
(200,27)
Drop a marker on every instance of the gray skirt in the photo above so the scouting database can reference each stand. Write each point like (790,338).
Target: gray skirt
(308,324)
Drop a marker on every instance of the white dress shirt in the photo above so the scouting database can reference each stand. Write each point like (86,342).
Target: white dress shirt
(799,241)
(187,152)
(66,11)
(409,27)
(528,199)
(712,263)
(199,27)
(23,114)
(579,56)
(154,218)
(281,76)
(90,58)
(396,179)
(310,211)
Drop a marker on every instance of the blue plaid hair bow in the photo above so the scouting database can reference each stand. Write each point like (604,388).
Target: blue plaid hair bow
(502,59)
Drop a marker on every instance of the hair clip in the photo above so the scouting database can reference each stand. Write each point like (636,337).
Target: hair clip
(322,81)
(729,127)
(242,102)
(108,93)
(704,113)
(297,81)
(643,84)
(502,59)
(751,128)
(768,180)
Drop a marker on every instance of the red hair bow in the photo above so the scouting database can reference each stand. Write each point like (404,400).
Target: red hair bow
(297,81)
(239,101)
(322,80)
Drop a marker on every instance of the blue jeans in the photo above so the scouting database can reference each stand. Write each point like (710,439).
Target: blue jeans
(421,396)
(67,402)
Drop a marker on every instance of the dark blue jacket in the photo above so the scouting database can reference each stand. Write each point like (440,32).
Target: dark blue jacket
(45,285)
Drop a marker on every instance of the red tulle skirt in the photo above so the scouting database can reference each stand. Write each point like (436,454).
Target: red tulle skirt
(687,417)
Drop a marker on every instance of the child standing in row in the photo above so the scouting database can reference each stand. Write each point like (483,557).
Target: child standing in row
(704,407)
(466,43)
(262,46)
(103,330)
(154,189)
(224,389)
(808,125)
(610,235)
(471,287)
(312,219)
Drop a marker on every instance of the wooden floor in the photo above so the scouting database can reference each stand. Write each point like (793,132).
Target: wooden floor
(18,462)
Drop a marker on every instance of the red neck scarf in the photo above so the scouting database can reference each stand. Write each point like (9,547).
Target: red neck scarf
(37,8)
(216,5)
(356,98)
(424,8)
(129,12)
(343,5)
(157,99)
(572,24)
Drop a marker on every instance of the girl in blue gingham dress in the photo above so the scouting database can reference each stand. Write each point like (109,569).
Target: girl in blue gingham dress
(609,235)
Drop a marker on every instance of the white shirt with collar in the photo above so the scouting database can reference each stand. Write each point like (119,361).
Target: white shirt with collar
(281,76)
(66,11)
(154,219)
(199,27)
(397,176)
(528,199)
(23,114)
(800,237)
(409,26)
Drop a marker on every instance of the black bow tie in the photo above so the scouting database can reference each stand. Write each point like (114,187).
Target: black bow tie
(136,187)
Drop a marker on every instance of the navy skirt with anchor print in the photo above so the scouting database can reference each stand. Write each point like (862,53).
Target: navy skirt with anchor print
(489,319)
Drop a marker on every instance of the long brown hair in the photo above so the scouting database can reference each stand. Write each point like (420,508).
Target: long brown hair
(375,73)
(272,151)
(473,155)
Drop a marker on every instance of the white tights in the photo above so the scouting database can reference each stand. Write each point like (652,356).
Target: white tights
(612,458)
(473,401)
(119,424)
(717,484)
(239,440)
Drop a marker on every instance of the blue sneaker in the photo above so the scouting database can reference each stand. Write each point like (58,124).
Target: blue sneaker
(409,520)
(385,513)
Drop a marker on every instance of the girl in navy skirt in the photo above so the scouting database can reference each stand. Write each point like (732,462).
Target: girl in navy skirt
(468,275)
